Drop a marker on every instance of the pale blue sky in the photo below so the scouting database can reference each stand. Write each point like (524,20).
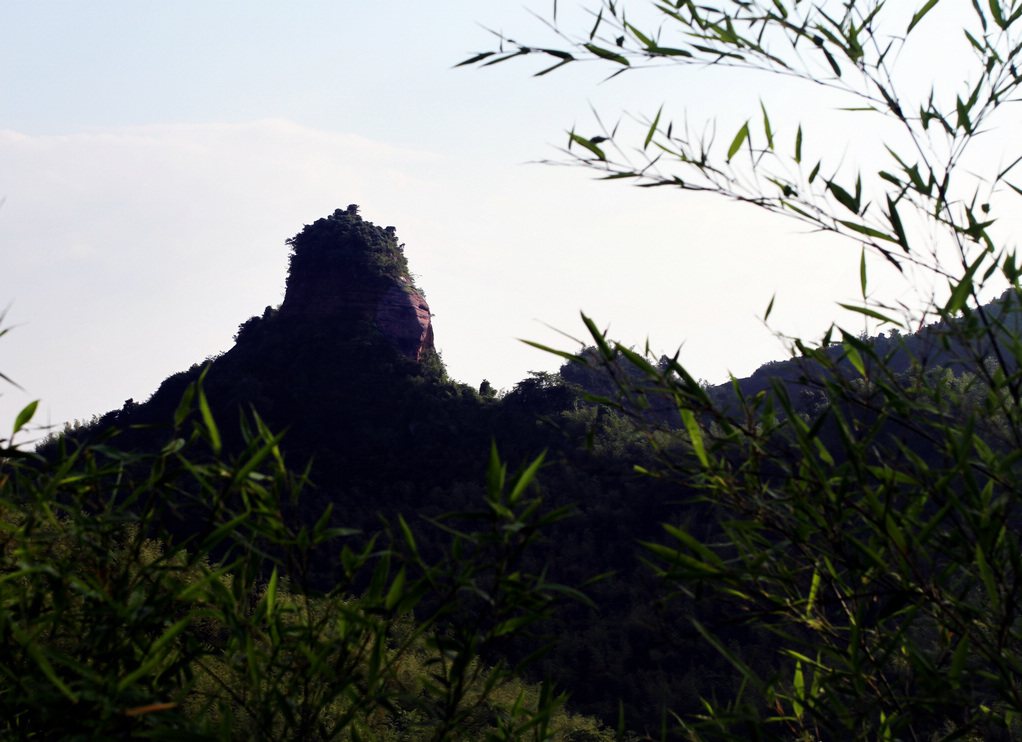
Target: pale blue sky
(155,156)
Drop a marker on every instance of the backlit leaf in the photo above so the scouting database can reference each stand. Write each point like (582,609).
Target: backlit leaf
(740,137)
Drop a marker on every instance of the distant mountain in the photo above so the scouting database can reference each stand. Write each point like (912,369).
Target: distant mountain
(932,346)
(347,365)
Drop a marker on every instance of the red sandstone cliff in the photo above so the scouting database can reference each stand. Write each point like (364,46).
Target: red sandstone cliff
(346,269)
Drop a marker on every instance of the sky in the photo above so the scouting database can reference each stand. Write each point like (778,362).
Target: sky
(154,158)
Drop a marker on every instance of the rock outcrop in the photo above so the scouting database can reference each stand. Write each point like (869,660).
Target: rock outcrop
(348,271)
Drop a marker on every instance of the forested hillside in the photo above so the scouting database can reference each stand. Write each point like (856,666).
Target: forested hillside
(385,434)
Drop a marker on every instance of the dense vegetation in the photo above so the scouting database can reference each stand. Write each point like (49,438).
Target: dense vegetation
(358,246)
(118,623)
(865,504)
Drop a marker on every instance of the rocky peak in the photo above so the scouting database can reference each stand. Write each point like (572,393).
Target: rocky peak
(346,269)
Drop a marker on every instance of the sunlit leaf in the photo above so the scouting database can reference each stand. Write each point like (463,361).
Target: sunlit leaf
(855,359)
(695,435)
(740,137)
(25,415)
(652,128)
(396,590)
(862,272)
(799,686)
(870,313)
(526,478)
(207,419)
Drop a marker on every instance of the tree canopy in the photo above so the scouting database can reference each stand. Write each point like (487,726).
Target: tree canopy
(345,239)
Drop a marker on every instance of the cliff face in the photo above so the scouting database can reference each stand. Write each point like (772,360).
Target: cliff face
(348,271)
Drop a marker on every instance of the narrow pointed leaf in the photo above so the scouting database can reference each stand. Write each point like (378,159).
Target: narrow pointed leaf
(652,128)
(607,54)
(766,127)
(739,139)
(25,415)
(922,12)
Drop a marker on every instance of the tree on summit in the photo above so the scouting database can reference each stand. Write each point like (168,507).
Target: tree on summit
(344,238)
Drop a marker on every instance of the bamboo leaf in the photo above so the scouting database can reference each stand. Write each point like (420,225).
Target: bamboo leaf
(895,220)
(552,68)
(843,197)
(870,313)
(564,56)
(962,290)
(976,45)
(736,143)
(476,58)
(36,652)
(862,273)
(963,114)
(652,128)
(184,406)
(607,54)
(800,690)
(587,144)
(409,538)
(707,555)
(855,359)
(596,26)
(271,593)
(868,231)
(25,415)
(922,12)
(987,575)
(639,35)
(156,656)
(766,126)
(396,590)
(667,51)
(695,434)
(960,657)
(833,63)
(814,591)
(526,478)
(208,421)
(995,10)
